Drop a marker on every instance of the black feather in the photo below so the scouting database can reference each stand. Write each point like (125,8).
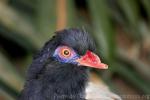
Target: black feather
(48,79)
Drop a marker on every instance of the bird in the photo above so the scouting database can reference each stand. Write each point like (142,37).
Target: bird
(60,70)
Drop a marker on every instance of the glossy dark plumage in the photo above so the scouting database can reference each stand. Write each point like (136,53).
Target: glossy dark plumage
(48,79)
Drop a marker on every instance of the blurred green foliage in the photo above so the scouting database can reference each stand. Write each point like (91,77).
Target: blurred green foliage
(121,29)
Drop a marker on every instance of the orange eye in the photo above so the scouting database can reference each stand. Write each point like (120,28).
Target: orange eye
(66,52)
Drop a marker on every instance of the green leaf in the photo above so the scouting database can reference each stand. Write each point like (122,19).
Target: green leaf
(46,19)
(131,10)
(5,96)
(133,78)
(9,74)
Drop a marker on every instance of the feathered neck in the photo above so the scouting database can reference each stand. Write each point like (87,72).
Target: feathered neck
(65,81)
(57,82)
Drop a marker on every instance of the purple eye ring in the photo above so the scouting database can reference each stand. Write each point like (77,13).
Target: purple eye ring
(65,54)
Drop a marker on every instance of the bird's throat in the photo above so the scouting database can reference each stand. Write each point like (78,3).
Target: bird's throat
(57,82)
(66,82)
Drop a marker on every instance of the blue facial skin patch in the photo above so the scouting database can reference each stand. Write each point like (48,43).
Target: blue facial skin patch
(68,60)
(72,59)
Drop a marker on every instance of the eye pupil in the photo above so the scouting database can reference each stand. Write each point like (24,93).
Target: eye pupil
(66,52)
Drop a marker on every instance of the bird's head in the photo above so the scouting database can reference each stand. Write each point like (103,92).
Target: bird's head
(59,68)
(74,46)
